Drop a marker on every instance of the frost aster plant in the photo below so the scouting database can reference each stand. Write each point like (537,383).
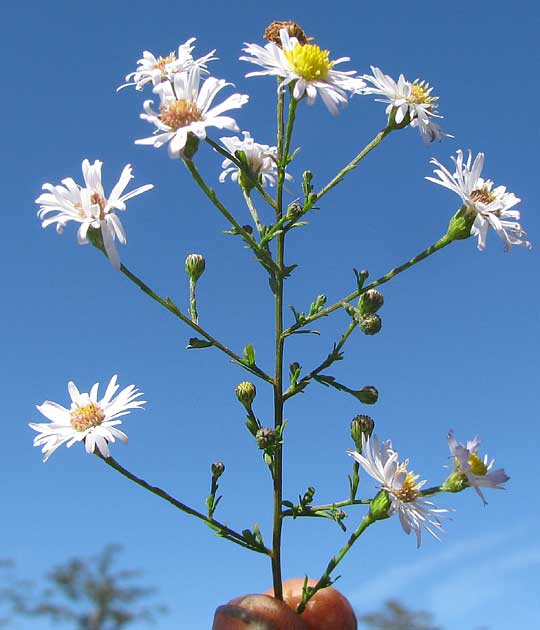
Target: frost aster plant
(189,115)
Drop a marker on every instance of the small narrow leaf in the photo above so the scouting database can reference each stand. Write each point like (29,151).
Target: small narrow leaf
(196,343)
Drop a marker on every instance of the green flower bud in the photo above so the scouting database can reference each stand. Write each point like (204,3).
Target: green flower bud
(456,482)
(380,506)
(246,392)
(218,468)
(461,223)
(371,324)
(266,438)
(361,425)
(195,266)
(368,395)
(294,210)
(370,302)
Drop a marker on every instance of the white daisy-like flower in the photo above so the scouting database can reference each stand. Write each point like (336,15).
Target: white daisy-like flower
(478,472)
(88,419)
(407,99)
(261,159)
(308,67)
(493,206)
(381,462)
(186,109)
(89,206)
(152,69)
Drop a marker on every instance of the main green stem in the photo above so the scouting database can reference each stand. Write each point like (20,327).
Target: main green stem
(278,375)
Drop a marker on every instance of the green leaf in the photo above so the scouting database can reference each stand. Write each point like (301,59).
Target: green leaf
(196,343)
(249,355)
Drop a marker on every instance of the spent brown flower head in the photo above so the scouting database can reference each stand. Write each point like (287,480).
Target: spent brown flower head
(271,32)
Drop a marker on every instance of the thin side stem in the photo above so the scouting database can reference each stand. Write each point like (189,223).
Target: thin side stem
(220,528)
(354,162)
(324,580)
(442,242)
(193,302)
(252,210)
(171,307)
(326,363)
(256,247)
(310,509)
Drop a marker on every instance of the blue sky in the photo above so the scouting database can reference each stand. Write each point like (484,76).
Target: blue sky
(460,338)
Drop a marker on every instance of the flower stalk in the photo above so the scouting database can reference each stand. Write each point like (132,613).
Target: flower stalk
(442,242)
(221,529)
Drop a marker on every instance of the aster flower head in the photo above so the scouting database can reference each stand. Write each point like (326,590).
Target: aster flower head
(89,206)
(492,206)
(260,158)
(382,463)
(89,419)
(408,103)
(307,67)
(152,69)
(475,471)
(185,111)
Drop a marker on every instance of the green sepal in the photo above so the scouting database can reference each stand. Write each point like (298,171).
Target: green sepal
(461,223)
(380,506)
(191,147)
(456,482)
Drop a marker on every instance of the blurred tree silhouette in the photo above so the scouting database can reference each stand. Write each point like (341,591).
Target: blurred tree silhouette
(396,616)
(87,594)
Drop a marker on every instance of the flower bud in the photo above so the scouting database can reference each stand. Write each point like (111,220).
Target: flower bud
(218,468)
(195,266)
(379,507)
(368,395)
(271,32)
(461,223)
(361,425)
(266,438)
(246,392)
(370,302)
(371,324)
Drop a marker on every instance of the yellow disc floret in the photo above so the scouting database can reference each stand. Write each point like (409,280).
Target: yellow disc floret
(90,415)
(477,465)
(309,61)
(179,114)
(162,62)
(409,490)
(420,94)
(483,195)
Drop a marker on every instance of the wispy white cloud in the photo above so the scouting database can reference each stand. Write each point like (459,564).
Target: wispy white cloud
(471,571)
(478,583)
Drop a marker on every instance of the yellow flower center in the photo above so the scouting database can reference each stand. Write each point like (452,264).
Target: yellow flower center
(90,415)
(409,490)
(482,195)
(179,114)
(163,61)
(309,61)
(477,465)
